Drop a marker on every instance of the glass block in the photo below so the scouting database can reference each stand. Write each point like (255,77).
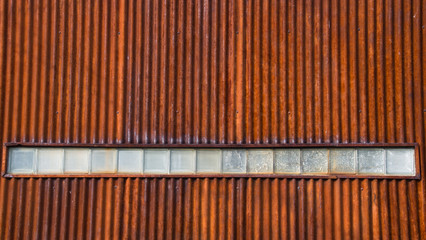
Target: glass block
(157,161)
(315,160)
(260,161)
(400,161)
(343,160)
(371,160)
(234,161)
(130,161)
(21,160)
(77,160)
(287,160)
(50,160)
(104,160)
(209,161)
(182,161)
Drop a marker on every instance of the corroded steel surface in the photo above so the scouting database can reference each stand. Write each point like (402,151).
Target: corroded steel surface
(212,72)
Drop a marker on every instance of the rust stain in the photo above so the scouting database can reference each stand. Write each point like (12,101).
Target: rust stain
(212,72)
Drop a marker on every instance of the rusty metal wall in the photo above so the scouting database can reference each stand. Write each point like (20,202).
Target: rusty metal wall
(243,71)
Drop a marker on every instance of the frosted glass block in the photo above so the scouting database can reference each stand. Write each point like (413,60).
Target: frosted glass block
(104,160)
(182,161)
(234,161)
(287,160)
(50,160)
(157,161)
(21,160)
(343,160)
(371,160)
(400,161)
(209,161)
(260,161)
(76,160)
(130,161)
(315,160)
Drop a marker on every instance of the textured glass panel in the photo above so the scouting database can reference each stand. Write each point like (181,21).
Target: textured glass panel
(157,161)
(104,160)
(21,160)
(343,160)
(400,161)
(315,160)
(260,161)
(234,161)
(50,160)
(287,160)
(182,161)
(208,161)
(77,160)
(130,161)
(362,161)
(371,160)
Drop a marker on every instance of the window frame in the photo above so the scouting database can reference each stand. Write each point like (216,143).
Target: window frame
(417,174)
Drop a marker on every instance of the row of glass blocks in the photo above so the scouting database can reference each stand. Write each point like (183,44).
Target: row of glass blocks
(365,161)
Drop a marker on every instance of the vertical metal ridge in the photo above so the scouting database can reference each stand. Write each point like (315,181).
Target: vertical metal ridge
(180,209)
(347,208)
(204,76)
(3,84)
(161,208)
(310,203)
(171,208)
(193,199)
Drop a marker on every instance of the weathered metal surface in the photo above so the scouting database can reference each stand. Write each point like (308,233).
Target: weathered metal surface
(212,72)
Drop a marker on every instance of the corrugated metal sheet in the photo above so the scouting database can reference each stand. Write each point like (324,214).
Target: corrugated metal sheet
(243,71)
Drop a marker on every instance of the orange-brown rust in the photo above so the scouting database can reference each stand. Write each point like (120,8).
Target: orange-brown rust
(212,72)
